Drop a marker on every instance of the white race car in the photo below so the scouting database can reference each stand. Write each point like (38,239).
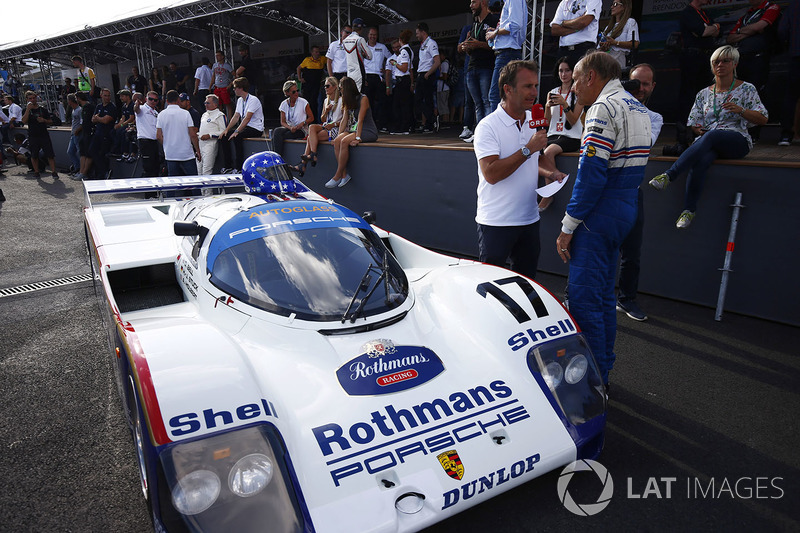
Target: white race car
(287,366)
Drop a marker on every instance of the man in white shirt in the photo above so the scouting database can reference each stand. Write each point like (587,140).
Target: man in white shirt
(375,86)
(575,23)
(202,82)
(247,121)
(146,117)
(336,57)
(507,149)
(212,126)
(357,52)
(176,132)
(429,62)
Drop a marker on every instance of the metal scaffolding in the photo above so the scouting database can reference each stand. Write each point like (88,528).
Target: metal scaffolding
(49,93)
(235,34)
(222,40)
(282,18)
(386,13)
(171,15)
(338,17)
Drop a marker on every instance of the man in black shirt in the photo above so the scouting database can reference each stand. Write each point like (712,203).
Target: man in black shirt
(185,103)
(125,120)
(85,131)
(136,82)
(481,57)
(37,119)
(248,69)
(105,114)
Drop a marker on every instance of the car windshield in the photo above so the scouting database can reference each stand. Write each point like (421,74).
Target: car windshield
(314,273)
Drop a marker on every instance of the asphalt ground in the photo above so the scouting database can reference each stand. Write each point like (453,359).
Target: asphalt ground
(702,431)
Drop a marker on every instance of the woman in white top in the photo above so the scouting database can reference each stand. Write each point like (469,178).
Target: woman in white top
(328,130)
(296,115)
(563,112)
(620,33)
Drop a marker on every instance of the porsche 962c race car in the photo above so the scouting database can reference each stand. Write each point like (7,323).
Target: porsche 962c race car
(286,366)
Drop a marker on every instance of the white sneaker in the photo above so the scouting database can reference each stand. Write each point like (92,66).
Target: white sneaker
(345,180)
(466,132)
(332,184)
(469,139)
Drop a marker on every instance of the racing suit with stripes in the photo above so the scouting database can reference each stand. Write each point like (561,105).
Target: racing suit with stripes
(602,211)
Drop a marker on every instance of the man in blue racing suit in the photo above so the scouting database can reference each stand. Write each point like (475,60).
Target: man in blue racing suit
(603,207)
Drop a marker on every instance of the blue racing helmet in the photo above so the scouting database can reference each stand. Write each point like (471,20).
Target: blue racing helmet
(263,172)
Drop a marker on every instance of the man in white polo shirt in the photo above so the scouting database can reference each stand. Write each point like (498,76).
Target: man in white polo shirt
(375,86)
(507,149)
(146,116)
(247,121)
(336,57)
(427,76)
(176,132)
(575,23)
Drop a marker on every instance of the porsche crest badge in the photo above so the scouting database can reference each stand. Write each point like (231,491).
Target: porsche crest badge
(451,463)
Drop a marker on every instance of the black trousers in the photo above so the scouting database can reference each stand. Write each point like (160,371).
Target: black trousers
(375,90)
(238,143)
(517,244)
(151,157)
(423,98)
(401,108)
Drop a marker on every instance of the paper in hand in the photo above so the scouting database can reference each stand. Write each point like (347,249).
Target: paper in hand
(549,190)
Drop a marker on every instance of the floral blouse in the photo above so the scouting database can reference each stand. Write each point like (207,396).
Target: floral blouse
(708,113)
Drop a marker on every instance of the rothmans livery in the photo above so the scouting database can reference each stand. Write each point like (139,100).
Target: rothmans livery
(287,366)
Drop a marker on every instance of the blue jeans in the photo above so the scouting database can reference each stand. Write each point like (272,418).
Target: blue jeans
(503,58)
(478,83)
(72,152)
(698,158)
(182,168)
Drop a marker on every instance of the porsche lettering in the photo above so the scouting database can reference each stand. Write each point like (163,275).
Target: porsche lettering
(292,222)
(431,441)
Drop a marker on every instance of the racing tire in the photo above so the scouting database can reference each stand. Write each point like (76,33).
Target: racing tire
(138,434)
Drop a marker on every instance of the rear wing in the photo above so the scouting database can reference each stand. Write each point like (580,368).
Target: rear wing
(272,190)
(160,185)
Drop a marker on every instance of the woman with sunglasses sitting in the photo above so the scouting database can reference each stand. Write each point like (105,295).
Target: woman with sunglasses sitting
(327,131)
(720,117)
(296,115)
(357,126)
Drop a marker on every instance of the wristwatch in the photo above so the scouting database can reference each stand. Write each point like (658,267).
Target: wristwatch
(526,152)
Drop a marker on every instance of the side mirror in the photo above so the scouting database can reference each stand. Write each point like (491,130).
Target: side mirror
(370,217)
(187,229)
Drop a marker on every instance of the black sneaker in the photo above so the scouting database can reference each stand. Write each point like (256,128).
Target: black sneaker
(785,141)
(631,309)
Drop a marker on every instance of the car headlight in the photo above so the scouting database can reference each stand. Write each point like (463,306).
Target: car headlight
(553,374)
(250,475)
(568,369)
(240,478)
(196,492)
(576,369)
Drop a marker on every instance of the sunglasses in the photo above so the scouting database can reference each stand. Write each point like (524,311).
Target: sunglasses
(721,61)
(347,32)
(615,4)
(293,92)
(152,99)
(327,86)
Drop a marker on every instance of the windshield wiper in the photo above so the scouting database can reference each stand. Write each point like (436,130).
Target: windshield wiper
(362,286)
(385,277)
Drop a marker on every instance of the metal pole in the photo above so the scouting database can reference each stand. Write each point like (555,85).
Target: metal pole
(726,268)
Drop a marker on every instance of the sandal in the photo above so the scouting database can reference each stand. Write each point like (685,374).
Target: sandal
(313,157)
(300,169)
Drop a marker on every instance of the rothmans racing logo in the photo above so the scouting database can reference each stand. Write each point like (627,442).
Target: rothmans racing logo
(384,368)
